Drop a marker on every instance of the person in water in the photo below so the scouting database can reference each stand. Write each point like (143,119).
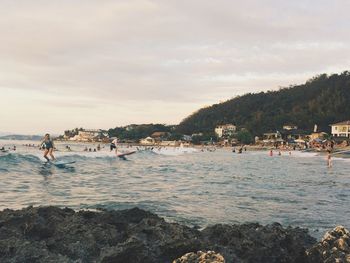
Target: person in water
(114,144)
(48,147)
(329,158)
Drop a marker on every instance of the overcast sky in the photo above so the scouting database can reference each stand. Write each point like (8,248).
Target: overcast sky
(102,64)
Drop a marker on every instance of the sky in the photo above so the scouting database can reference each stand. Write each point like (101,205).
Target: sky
(104,63)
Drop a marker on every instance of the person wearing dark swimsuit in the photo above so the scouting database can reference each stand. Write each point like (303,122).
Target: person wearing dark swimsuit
(48,146)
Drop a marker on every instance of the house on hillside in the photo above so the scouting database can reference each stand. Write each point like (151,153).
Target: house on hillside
(318,136)
(285,137)
(197,134)
(289,127)
(90,135)
(272,137)
(187,138)
(147,141)
(225,131)
(294,135)
(159,135)
(341,129)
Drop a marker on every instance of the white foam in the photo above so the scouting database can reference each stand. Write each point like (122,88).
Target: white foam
(174,150)
(305,154)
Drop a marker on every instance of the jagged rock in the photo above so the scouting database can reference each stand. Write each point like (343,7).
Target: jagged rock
(257,243)
(334,247)
(51,234)
(201,257)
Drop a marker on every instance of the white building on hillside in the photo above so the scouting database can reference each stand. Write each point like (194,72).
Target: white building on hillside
(147,141)
(341,129)
(289,127)
(226,130)
(89,135)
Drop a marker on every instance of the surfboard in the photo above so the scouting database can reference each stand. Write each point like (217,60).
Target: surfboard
(121,155)
(62,163)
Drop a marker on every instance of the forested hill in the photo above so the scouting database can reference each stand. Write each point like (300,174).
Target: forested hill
(322,100)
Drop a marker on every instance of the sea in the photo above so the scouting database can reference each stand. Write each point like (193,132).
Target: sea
(196,187)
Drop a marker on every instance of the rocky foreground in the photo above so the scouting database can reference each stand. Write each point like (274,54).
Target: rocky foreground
(51,234)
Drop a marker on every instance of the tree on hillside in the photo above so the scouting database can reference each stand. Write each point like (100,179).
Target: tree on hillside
(322,100)
(137,132)
(245,137)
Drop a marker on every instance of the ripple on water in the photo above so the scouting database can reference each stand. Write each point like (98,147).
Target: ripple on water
(196,189)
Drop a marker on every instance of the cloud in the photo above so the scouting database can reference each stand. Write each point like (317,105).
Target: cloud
(159,52)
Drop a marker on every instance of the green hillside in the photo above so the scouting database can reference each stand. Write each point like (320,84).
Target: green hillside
(322,100)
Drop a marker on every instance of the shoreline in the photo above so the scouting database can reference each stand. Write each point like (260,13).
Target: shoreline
(52,234)
(250,147)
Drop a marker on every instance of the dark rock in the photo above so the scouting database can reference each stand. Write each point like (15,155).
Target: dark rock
(51,234)
(257,243)
(133,251)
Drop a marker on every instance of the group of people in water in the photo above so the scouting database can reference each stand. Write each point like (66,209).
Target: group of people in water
(4,150)
(329,155)
(240,149)
(279,153)
(47,145)
(86,149)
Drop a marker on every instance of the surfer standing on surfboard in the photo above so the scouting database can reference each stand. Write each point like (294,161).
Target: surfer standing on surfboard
(114,144)
(48,146)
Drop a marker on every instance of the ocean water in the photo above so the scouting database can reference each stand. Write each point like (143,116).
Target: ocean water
(184,185)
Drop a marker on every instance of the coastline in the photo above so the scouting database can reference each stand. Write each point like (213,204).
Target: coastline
(52,234)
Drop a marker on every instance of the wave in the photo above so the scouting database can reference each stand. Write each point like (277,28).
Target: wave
(305,154)
(174,151)
(36,157)
(14,158)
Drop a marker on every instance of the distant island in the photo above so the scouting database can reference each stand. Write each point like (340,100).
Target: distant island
(21,137)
